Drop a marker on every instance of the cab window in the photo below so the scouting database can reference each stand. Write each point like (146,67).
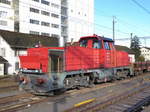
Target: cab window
(83,43)
(106,45)
(112,46)
(96,44)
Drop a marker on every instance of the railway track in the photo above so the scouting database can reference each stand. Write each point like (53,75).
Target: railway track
(129,101)
(17,102)
(8,88)
(5,77)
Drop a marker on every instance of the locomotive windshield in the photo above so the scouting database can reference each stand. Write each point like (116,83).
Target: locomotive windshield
(91,43)
(106,45)
(96,44)
(83,43)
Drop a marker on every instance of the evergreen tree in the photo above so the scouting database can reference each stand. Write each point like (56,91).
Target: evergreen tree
(141,58)
(135,46)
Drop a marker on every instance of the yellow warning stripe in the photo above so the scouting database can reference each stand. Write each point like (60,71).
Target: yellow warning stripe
(84,102)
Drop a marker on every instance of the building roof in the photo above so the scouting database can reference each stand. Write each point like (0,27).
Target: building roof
(124,48)
(146,48)
(22,40)
(2,60)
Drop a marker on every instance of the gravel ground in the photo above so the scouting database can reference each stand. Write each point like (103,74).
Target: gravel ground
(8,81)
(11,93)
(4,82)
(146,109)
(64,103)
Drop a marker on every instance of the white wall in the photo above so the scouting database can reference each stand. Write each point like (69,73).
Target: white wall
(132,58)
(6,16)
(25,15)
(80,18)
(146,53)
(1,69)
(10,55)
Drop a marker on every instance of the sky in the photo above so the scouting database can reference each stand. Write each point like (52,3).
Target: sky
(129,18)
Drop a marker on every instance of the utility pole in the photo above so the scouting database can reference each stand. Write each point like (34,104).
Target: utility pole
(131,34)
(145,41)
(114,28)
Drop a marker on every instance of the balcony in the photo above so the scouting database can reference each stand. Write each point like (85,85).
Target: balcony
(64,11)
(64,21)
(64,3)
(64,31)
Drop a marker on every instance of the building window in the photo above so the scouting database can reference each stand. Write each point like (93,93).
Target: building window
(55,15)
(36,0)
(3,23)
(55,26)
(45,13)
(2,52)
(34,32)
(34,10)
(17,66)
(16,52)
(44,34)
(55,35)
(34,21)
(3,14)
(45,23)
(55,5)
(45,2)
(5,2)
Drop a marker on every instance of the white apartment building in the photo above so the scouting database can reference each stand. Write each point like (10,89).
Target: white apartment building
(69,19)
(145,51)
(80,19)
(40,17)
(6,15)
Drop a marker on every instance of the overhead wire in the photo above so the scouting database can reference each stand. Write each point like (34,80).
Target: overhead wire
(141,6)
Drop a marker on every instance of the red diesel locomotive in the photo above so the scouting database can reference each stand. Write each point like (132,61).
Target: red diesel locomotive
(46,70)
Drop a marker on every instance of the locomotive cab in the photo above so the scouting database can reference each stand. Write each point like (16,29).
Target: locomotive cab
(104,45)
(90,42)
(97,42)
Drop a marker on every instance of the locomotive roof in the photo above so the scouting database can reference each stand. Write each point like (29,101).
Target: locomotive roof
(107,39)
(23,41)
(99,37)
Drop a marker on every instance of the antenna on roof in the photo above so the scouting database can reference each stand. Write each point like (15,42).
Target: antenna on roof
(95,35)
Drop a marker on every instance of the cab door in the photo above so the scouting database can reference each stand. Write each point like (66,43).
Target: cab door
(107,52)
(113,54)
(56,61)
